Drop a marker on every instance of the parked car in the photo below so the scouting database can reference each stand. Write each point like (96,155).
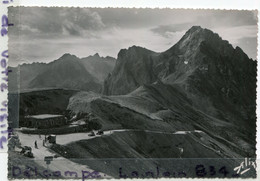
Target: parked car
(52,139)
(27,151)
(91,133)
(100,132)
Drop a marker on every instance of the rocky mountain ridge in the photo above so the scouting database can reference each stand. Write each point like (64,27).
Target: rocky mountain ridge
(68,72)
(209,69)
(195,51)
(201,83)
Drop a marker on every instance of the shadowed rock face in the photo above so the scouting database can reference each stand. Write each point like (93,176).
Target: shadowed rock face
(213,74)
(133,68)
(200,51)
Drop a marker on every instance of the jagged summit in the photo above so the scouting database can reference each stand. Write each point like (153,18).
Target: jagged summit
(96,55)
(195,28)
(199,30)
(135,48)
(133,51)
(33,63)
(196,35)
(200,40)
(68,55)
(110,58)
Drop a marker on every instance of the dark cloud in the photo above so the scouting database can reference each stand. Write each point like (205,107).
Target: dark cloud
(53,21)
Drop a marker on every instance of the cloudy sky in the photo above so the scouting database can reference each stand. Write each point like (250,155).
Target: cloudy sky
(45,34)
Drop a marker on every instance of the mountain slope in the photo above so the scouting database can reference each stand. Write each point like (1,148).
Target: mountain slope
(66,72)
(98,66)
(21,76)
(159,107)
(201,83)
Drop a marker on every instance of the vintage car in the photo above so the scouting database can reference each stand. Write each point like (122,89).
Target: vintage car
(91,133)
(52,139)
(27,151)
(100,132)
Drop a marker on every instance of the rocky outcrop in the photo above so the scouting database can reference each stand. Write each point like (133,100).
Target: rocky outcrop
(132,69)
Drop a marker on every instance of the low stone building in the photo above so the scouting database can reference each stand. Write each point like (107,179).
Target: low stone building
(44,121)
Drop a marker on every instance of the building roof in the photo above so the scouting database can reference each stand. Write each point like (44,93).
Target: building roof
(44,116)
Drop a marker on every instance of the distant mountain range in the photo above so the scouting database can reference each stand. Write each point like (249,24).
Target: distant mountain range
(67,72)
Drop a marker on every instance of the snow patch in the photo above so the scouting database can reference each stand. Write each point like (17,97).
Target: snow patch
(198,131)
(182,132)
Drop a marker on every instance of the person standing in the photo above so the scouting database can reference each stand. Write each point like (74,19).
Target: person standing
(35,144)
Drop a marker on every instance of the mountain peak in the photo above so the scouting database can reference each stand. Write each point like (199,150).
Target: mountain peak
(201,32)
(134,47)
(134,50)
(110,58)
(196,28)
(193,38)
(67,55)
(96,55)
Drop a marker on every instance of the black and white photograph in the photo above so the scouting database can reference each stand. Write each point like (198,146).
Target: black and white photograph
(96,93)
